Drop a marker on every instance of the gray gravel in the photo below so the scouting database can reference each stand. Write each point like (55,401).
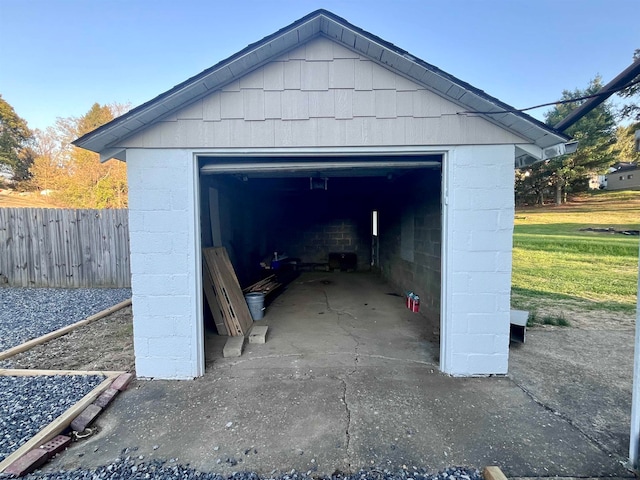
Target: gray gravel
(28,404)
(127,468)
(27,313)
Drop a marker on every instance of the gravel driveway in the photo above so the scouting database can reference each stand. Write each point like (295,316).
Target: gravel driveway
(131,468)
(27,313)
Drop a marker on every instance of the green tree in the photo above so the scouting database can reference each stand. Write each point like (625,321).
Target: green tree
(595,133)
(15,142)
(624,148)
(533,184)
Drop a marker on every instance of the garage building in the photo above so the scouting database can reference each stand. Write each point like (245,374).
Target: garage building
(324,139)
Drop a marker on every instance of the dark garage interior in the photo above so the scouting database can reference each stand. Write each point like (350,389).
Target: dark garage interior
(323,219)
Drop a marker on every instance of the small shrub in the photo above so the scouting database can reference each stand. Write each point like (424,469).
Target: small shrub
(555,320)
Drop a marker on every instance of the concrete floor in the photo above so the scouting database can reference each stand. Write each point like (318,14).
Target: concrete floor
(348,378)
(335,319)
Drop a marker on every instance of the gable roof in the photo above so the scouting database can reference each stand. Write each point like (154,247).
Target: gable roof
(323,22)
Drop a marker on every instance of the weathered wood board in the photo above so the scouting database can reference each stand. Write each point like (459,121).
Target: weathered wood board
(228,294)
(53,247)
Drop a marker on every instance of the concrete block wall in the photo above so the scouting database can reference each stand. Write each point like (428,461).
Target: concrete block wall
(421,198)
(320,223)
(244,224)
(242,227)
(315,242)
(165,262)
(427,256)
(477,236)
(309,227)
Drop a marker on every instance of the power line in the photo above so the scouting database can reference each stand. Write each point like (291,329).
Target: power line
(559,102)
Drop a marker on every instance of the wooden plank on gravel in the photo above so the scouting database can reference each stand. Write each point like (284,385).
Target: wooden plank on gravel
(59,424)
(62,331)
(19,372)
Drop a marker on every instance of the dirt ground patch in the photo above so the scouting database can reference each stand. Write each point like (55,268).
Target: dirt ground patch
(106,344)
(591,320)
(577,315)
(14,199)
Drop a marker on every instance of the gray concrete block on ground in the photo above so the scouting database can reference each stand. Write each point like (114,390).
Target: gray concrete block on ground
(258,334)
(233,347)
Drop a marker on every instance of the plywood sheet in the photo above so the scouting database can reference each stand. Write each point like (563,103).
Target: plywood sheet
(214,304)
(227,289)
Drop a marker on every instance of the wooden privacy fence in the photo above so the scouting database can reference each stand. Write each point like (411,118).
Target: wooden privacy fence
(50,247)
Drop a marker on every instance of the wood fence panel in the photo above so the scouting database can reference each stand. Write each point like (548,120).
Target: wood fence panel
(50,247)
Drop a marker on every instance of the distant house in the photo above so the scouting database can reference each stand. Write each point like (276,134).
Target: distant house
(623,176)
(597,182)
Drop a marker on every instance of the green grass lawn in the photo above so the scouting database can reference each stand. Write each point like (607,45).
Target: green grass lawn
(554,260)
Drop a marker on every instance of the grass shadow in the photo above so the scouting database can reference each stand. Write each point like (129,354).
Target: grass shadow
(531,295)
(575,228)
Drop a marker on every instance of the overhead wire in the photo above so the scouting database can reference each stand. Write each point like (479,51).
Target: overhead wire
(559,102)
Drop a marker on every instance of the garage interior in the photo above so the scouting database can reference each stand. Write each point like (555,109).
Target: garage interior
(368,228)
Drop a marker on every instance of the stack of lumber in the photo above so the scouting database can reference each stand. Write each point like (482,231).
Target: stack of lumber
(224,296)
(266,285)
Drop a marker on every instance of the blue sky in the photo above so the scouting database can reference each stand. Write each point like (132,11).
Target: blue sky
(58,57)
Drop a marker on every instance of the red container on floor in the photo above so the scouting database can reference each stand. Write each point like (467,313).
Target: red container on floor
(415,307)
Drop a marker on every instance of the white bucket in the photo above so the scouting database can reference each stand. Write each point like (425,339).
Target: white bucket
(255,302)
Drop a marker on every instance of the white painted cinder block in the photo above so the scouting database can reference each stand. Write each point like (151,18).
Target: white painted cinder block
(477,242)
(165,263)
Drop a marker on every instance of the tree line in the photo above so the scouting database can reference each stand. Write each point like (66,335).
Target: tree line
(46,161)
(605,136)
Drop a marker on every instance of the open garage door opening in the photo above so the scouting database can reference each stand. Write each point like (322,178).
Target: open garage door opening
(343,239)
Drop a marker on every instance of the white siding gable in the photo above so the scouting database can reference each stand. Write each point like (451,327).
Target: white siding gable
(320,94)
